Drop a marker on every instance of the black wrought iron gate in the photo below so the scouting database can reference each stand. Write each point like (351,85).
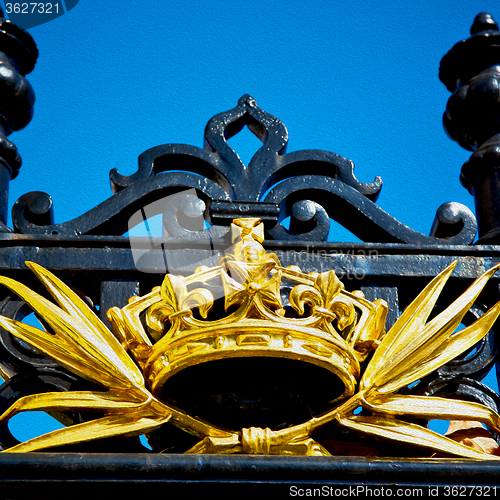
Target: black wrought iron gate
(198,192)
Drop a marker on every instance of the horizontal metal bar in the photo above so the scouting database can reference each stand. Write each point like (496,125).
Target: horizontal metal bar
(186,259)
(90,241)
(129,468)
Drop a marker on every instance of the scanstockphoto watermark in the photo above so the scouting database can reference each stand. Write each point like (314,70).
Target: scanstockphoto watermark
(30,14)
(171,235)
(349,263)
(358,491)
(394,491)
(310,252)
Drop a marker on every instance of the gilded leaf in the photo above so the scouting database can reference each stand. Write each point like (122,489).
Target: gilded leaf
(110,426)
(74,400)
(404,432)
(440,349)
(71,303)
(64,352)
(411,320)
(80,341)
(434,407)
(410,345)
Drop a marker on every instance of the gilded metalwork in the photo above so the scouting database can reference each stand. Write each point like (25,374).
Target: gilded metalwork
(171,329)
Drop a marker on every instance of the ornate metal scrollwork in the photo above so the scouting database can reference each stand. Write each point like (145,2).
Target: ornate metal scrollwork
(28,383)
(310,186)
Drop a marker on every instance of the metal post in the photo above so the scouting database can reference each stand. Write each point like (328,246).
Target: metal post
(18,54)
(471,70)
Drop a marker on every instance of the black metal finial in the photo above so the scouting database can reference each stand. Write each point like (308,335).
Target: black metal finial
(483,22)
(471,70)
(18,55)
(469,57)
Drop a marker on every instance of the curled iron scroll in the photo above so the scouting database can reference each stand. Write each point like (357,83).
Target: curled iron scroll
(112,216)
(333,199)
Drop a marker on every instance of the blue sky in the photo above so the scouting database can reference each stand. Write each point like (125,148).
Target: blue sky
(358,78)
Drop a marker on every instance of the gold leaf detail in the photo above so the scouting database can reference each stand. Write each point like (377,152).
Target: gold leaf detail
(318,349)
(412,349)
(397,430)
(196,347)
(247,339)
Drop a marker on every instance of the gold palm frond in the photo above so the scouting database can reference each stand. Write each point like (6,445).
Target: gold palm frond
(85,346)
(411,350)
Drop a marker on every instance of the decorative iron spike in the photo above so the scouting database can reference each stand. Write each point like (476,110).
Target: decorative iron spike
(471,70)
(483,22)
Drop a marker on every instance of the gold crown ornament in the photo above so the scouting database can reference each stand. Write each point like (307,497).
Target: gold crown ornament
(251,357)
(337,333)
